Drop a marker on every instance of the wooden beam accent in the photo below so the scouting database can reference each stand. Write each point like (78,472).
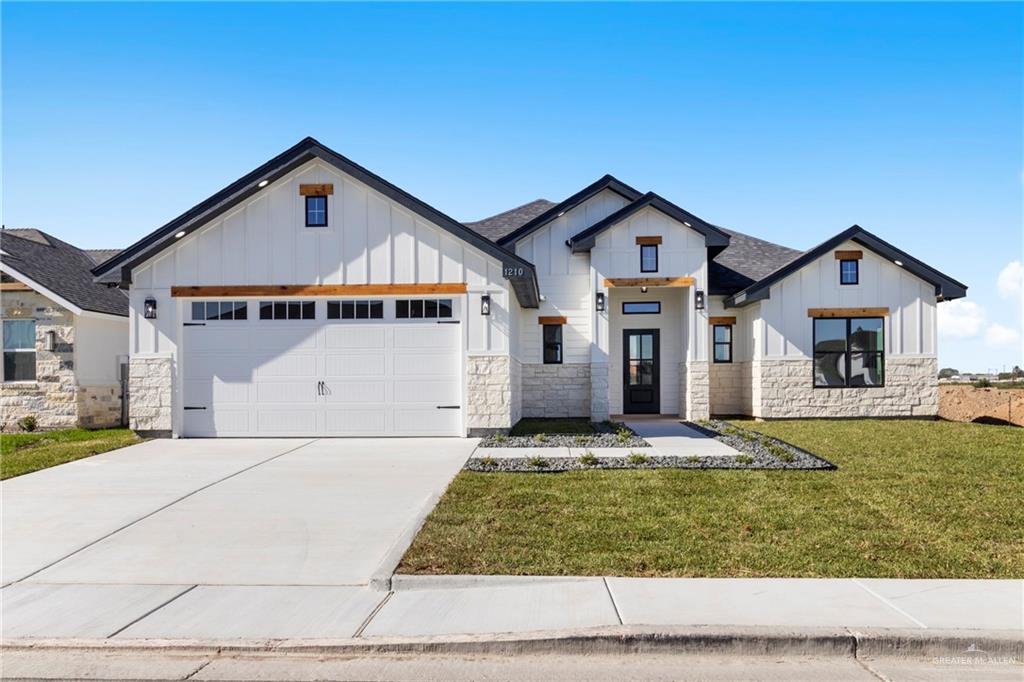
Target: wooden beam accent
(278,290)
(551,319)
(320,190)
(849,255)
(847,312)
(722,320)
(650,282)
(14,286)
(648,241)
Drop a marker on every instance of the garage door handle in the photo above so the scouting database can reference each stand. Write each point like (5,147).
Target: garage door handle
(449,407)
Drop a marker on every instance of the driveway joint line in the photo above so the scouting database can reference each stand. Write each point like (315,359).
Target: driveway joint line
(157,511)
(376,610)
(608,589)
(151,611)
(888,603)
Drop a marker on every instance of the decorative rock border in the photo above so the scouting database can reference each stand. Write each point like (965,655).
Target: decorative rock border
(606,435)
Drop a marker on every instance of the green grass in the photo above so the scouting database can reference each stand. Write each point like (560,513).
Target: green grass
(532,427)
(910,499)
(22,453)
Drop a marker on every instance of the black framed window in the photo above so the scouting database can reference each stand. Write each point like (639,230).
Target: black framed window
(19,350)
(423,308)
(849,271)
(316,211)
(648,258)
(287,310)
(355,310)
(552,344)
(641,307)
(219,310)
(723,343)
(849,352)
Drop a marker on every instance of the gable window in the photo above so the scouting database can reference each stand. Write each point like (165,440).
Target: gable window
(552,344)
(849,352)
(222,310)
(641,308)
(849,272)
(723,343)
(316,211)
(287,310)
(423,308)
(648,258)
(19,350)
(355,310)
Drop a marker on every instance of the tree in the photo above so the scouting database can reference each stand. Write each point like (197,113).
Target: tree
(948,373)
(1018,373)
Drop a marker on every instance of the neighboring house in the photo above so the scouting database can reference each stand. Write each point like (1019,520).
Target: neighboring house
(312,297)
(64,334)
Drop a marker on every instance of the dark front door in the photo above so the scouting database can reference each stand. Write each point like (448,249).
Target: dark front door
(640,363)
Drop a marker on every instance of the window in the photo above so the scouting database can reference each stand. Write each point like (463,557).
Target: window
(316,211)
(355,310)
(648,258)
(849,352)
(723,343)
(420,308)
(222,310)
(849,271)
(287,310)
(642,308)
(552,344)
(19,350)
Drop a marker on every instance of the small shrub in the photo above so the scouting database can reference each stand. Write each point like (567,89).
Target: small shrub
(541,438)
(704,422)
(636,458)
(487,461)
(580,440)
(693,459)
(982,383)
(623,435)
(744,459)
(748,436)
(28,423)
(537,462)
(588,459)
(499,438)
(786,456)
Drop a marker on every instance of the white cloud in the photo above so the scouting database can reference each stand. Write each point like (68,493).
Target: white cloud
(1010,281)
(998,335)
(961,318)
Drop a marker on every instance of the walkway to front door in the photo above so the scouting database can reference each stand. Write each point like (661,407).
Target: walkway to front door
(640,362)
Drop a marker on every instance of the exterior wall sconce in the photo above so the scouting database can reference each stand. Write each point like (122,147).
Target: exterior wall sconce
(699,299)
(600,302)
(485,304)
(149,310)
(50,341)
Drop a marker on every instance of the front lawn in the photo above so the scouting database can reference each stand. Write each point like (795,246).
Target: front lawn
(910,499)
(532,426)
(22,453)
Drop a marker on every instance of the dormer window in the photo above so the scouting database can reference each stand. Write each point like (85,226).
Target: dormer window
(316,211)
(648,258)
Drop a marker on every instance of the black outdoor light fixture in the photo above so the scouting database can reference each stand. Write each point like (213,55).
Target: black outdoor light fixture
(485,304)
(149,311)
(699,299)
(600,301)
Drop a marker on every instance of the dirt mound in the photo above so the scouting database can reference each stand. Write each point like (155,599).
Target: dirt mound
(982,405)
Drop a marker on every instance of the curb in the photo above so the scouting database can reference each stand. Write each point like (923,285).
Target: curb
(618,640)
(380,579)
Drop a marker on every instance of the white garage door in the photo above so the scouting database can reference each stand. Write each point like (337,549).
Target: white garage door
(247,376)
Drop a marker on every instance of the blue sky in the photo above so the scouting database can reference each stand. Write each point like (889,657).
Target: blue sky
(788,121)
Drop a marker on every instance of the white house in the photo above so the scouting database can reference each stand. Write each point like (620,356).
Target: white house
(312,297)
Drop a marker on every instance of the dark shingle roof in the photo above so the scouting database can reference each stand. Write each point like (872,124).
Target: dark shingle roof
(100,255)
(497,226)
(746,260)
(62,268)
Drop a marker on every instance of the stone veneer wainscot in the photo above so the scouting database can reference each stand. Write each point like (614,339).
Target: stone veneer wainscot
(556,390)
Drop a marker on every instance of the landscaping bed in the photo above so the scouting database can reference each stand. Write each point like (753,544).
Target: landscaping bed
(566,433)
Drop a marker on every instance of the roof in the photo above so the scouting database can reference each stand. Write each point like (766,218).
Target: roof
(747,260)
(945,287)
(497,226)
(607,182)
(101,255)
(120,266)
(60,268)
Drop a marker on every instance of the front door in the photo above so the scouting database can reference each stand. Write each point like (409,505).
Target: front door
(640,385)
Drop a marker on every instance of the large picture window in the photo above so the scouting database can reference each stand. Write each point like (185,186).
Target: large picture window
(19,350)
(849,352)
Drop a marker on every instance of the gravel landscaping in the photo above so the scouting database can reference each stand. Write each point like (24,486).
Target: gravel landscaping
(605,435)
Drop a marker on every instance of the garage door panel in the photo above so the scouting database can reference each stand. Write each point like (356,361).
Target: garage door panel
(287,366)
(363,365)
(426,364)
(433,392)
(371,420)
(283,339)
(354,336)
(425,336)
(214,339)
(426,421)
(302,392)
(354,391)
(206,392)
(282,419)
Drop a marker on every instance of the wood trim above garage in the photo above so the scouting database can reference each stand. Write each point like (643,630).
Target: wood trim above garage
(849,255)
(649,282)
(847,312)
(648,241)
(320,190)
(252,290)
(552,319)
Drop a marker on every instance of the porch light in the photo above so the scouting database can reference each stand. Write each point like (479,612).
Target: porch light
(149,310)
(600,302)
(699,299)
(485,304)
(51,341)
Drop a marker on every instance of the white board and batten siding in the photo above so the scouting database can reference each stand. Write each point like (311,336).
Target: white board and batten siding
(370,240)
(785,330)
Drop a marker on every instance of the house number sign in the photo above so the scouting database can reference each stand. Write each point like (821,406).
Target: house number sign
(508,272)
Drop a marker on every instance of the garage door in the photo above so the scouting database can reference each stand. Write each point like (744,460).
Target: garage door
(322,368)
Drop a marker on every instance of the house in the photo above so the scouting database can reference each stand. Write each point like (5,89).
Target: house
(65,335)
(312,297)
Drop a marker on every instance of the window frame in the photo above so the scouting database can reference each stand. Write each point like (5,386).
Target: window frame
(286,317)
(654,303)
(444,308)
(560,343)
(856,272)
(326,220)
(236,306)
(715,343)
(648,246)
(33,350)
(847,353)
(354,306)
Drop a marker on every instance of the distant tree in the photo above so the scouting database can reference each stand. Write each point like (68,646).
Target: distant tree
(948,372)
(982,383)
(1017,372)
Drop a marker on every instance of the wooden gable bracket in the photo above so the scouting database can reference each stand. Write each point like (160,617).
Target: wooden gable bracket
(649,282)
(847,312)
(849,255)
(551,319)
(648,241)
(725,319)
(320,190)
